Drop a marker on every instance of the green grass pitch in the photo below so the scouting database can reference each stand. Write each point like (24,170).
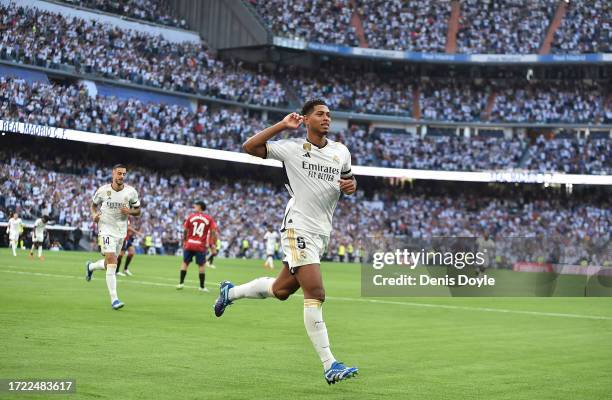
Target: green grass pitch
(167,344)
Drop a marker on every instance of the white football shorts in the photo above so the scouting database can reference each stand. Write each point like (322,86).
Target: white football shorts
(111,244)
(301,247)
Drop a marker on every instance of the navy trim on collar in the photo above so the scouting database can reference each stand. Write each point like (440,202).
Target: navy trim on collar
(326,142)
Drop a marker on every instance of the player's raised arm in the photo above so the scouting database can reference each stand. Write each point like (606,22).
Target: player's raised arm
(256,145)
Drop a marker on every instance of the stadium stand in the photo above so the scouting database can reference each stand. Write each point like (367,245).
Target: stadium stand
(571,155)
(504,27)
(190,68)
(72,107)
(586,28)
(221,128)
(47,39)
(349,89)
(412,26)
(316,21)
(156,11)
(30,184)
(499,27)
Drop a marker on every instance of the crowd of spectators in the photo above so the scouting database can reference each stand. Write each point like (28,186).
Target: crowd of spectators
(573,156)
(453,100)
(586,28)
(500,27)
(353,90)
(51,40)
(42,38)
(62,188)
(224,129)
(321,21)
(419,25)
(157,11)
(549,101)
(448,153)
(504,27)
(72,107)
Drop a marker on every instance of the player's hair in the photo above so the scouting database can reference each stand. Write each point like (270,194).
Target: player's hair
(309,106)
(201,204)
(118,166)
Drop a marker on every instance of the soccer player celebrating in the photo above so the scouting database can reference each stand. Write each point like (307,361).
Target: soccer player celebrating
(128,245)
(112,205)
(270,238)
(14,228)
(38,236)
(195,242)
(318,171)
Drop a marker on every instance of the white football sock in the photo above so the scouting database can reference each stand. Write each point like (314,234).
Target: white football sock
(40,251)
(111,281)
(96,265)
(259,288)
(317,331)
(14,247)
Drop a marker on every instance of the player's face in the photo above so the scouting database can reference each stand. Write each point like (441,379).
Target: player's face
(119,175)
(319,120)
(197,208)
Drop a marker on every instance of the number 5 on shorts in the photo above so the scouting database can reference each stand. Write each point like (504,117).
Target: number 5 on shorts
(301,243)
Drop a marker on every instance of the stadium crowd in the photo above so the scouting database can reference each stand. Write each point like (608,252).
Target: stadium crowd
(547,102)
(586,28)
(224,129)
(32,36)
(157,11)
(46,39)
(504,27)
(419,25)
(314,21)
(352,90)
(72,107)
(500,27)
(452,100)
(33,186)
(577,156)
(448,153)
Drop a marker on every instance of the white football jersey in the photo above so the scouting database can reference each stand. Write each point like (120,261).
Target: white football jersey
(14,225)
(271,238)
(39,228)
(109,202)
(313,176)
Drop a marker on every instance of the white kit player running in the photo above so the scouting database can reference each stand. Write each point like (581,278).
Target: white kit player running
(112,204)
(271,238)
(318,171)
(14,230)
(38,236)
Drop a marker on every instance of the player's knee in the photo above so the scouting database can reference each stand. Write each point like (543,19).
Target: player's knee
(281,294)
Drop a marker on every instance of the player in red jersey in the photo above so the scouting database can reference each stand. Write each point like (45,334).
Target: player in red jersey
(200,230)
(128,245)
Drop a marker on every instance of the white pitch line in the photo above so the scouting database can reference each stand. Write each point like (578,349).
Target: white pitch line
(354,299)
